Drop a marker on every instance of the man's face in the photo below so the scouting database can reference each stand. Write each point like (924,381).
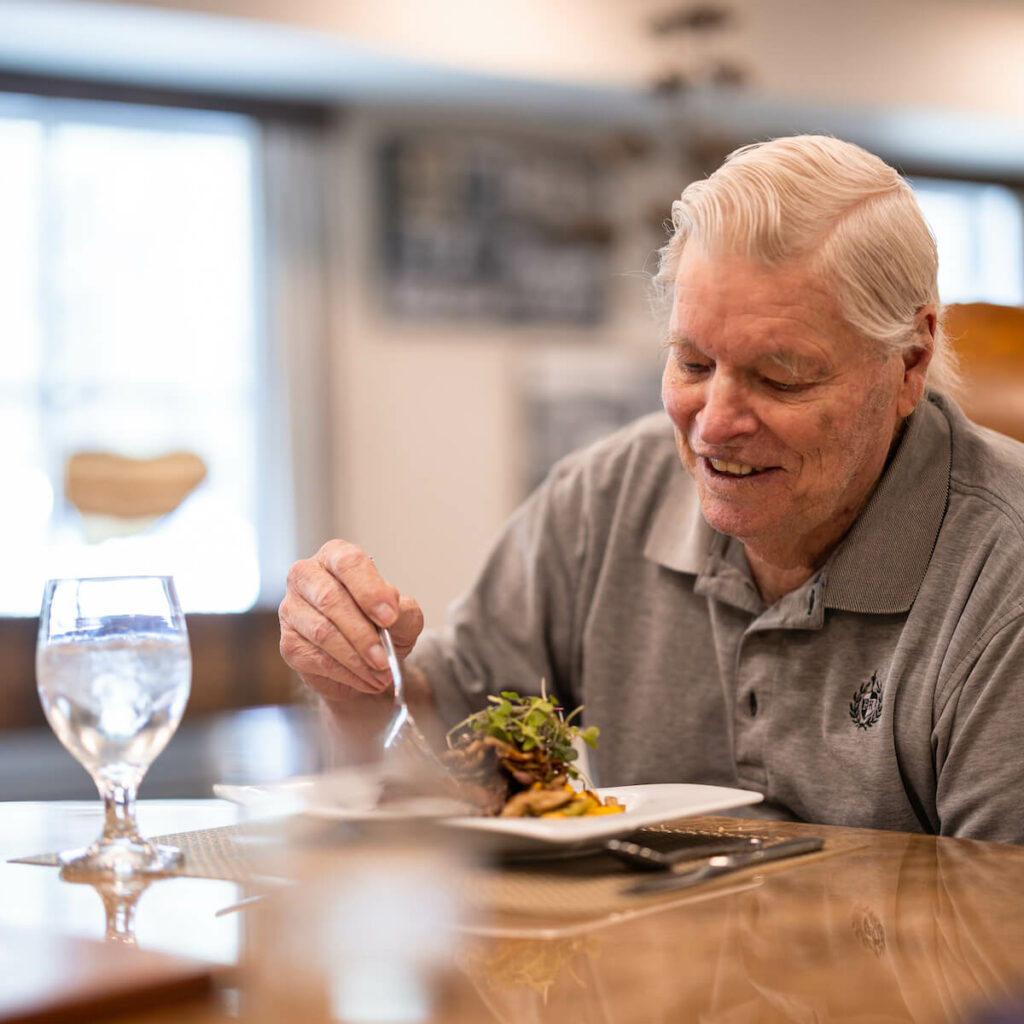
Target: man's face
(783,415)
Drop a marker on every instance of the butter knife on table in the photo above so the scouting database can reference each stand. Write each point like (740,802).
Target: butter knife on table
(724,864)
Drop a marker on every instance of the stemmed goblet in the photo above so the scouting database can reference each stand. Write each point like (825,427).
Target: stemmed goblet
(113,668)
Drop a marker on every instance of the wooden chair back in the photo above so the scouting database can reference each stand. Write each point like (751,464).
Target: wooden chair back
(989,342)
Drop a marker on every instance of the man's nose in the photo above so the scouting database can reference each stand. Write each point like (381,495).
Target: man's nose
(726,412)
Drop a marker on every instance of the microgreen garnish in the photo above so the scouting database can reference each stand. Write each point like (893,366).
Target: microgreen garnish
(532,724)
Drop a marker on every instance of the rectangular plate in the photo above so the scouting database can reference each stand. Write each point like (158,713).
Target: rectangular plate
(645,805)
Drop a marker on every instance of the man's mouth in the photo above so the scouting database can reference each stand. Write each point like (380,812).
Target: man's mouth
(733,468)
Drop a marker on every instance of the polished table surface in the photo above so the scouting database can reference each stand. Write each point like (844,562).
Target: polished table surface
(326,926)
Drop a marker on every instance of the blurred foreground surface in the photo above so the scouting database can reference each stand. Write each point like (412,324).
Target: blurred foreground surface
(313,920)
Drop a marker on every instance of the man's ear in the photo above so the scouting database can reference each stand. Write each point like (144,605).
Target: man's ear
(916,358)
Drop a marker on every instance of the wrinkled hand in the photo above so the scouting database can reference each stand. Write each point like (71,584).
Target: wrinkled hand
(329,616)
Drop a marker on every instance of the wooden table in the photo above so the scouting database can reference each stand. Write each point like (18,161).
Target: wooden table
(879,927)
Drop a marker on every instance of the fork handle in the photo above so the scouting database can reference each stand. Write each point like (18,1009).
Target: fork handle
(396,671)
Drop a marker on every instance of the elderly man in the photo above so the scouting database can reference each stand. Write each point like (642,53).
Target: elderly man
(826,605)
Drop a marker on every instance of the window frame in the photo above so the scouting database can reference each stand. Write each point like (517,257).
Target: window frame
(48,102)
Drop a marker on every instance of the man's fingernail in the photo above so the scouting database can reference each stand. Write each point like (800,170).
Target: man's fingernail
(383,679)
(378,656)
(384,613)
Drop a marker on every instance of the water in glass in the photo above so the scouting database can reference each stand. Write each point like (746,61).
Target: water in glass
(113,667)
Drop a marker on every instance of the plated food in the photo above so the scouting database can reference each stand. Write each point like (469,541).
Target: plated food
(352,795)
(526,745)
(516,759)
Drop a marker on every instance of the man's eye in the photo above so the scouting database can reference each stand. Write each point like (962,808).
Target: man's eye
(784,386)
(695,368)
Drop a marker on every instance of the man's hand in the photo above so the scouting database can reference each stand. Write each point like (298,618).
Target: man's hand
(329,617)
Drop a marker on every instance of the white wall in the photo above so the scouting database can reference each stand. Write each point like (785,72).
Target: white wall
(428,421)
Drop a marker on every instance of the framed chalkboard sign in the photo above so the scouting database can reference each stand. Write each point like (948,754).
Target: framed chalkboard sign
(492,229)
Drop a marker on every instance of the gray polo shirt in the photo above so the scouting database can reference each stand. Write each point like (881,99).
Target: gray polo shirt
(887,691)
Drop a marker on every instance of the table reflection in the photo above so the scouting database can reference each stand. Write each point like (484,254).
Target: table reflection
(329,925)
(924,934)
(120,897)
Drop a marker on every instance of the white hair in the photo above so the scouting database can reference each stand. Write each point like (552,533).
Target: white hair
(850,214)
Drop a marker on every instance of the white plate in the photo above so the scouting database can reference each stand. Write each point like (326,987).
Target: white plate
(645,805)
(349,794)
(348,797)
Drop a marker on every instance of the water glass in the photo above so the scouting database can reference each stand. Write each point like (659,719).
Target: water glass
(113,668)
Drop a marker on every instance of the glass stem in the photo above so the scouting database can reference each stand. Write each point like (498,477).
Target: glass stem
(118,811)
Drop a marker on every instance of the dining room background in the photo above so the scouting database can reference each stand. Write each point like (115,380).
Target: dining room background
(299,271)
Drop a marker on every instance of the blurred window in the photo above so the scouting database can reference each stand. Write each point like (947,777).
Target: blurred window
(127,319)
(979,231)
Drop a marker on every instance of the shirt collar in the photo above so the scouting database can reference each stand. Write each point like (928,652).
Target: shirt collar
(880,564)
(680,537)
(897,529)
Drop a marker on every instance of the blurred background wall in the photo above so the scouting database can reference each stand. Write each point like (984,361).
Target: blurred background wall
(443,282)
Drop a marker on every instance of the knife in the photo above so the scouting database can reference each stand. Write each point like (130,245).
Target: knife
(723,865)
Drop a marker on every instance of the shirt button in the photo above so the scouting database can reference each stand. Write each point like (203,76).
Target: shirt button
(752,702)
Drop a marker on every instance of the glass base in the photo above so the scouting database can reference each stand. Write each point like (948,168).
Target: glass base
(121,857)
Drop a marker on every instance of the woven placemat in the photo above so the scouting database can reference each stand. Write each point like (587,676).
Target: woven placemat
(570,891)
(585,888)
(238,852)
(233,853)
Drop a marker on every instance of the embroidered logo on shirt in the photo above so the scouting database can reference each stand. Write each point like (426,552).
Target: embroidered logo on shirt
(866,706)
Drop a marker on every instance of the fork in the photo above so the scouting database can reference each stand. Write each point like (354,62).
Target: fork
(402,733)
(645,858)
(723,864)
